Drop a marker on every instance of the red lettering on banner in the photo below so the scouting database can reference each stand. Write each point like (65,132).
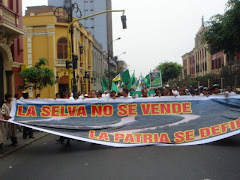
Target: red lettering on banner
(62,112)
(179,137)
(92,135)
(108,110)
(204,133)
(176,108)
(20,111)
(147,138)
(190,135)
(71,111)
(138,138)
(45,111)
(31,111)
(187,107)
(145,109)
(96,110)
(132,110)
(81,111)
(233,125)
(118,137)
(215,130)
(55,111)
(238,123)
(155,137)
(129,139)
(165,108)
(224,127)
(164,138)
(122,110)
(103,136)
(155,109)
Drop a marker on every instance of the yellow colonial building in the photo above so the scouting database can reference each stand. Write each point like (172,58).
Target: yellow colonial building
(46,36)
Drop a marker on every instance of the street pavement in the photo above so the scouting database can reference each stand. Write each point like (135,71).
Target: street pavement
(45,159)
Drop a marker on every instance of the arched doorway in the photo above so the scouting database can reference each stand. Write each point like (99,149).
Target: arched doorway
(63,85)
(6,61)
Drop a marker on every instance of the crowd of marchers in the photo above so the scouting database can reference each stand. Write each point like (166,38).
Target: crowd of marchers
(158,92)
(9,130)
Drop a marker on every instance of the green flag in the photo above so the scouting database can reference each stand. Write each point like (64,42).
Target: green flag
(104,84)
(146,80)
(132,81)
(133,78)
(114,87)
(126,76)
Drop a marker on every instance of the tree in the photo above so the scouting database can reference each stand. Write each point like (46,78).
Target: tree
(37,77)
(222,32)
(170,70)
(231,74)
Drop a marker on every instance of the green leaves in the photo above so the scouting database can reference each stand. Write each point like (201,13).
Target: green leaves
(170,70)
(222,32)
(37,77)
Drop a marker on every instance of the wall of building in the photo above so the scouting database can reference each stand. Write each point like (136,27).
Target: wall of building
(11,49)
(41,39)
(99,26)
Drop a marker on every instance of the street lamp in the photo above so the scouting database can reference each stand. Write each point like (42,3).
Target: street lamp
(121,54)
(110,54)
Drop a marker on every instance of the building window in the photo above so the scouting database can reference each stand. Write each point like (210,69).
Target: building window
(219,63)
(91,18)
(62,48)
(91,9)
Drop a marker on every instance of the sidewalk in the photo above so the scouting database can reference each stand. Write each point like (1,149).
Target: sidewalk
(8,148)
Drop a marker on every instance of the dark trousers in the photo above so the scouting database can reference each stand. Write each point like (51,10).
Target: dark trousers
(27,132)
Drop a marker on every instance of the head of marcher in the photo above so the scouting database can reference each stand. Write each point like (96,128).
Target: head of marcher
(8,97)
(99,94)
(93,94)
(57,95)
(229,88)
(144,93)
(25,95)
(215,89)
(125,92)
(205,91)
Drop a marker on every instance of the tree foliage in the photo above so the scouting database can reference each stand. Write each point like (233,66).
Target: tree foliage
(170,70)
(222,32)
(231,74)
(37,77)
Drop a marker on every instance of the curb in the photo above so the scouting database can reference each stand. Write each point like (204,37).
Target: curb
(23,145)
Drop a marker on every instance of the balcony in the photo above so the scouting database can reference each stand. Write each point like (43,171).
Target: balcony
(9,24)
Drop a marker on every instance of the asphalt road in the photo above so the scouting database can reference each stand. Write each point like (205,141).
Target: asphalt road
(44,160)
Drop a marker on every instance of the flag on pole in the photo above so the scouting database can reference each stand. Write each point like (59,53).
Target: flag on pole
(104,84)
(132,81)
(117,78)
(114,87)
(126,76)
(146,81)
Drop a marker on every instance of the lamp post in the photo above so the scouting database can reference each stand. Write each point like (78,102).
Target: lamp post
(69,7)
(123,18)
(121,54)
(110,54)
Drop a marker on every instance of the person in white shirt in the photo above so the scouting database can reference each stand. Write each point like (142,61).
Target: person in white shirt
(175,91)
(229,91)
(125,94)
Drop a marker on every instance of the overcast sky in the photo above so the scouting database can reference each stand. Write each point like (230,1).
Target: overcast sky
(158,30)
